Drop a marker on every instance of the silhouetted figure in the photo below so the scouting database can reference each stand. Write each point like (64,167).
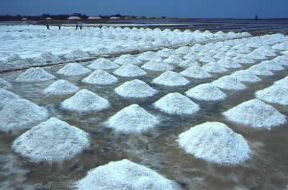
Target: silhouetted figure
(47,26)
(77,26)
(256,17)
(59,27)
(80,26)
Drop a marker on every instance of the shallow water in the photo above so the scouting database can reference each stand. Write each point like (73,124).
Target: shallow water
(157,149)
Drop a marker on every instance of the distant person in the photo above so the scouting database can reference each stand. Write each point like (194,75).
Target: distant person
(59,26)
(256,17)
(77,26)
(47,26)
(80,26)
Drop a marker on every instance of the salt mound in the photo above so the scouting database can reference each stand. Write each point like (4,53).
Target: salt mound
(157,66)
(255,113)
(85,101)
(170,78)
(216,143)
(147,56)
(6,96)
(129,71)
(127,59)
(229,83)
(35,75)
(214,68)
(100,77)
(206,92)
(52,140)
(20,114)
(189,63)
(128,175)
(5,84)
(103,64)
(135,89)
(61,87)
(195,72)
(132,119)
(229,63)
(173,60)
(246,76)
(277,94)
(260,70)
(73,69)
(176,103)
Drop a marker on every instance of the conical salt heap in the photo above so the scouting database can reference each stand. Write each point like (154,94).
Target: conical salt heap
(132,119)
(61,87)
(255,113)
(73,69)
(85,101)
(100,77)
(129,175)
(229,83)
(103,64)
(260,70)
(6,96)
(129,70)
(19,114)
(157,66)
(173,60)
(206,92)
(176,103)
(216,143)
(196,72)
(170,78)
(214,68)
(246,76)
(35,75)
(127,59)
(5,84)
(277,94)
(52,140)
(135,89)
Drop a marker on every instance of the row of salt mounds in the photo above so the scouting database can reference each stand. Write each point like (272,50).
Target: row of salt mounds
(216,143)
(103,64)
(127,59)
(255,113)
(206,92)
(100,77)
(170,78)
(85,101)
(229,83)
(246,76)
(135,89)
(18,113)
(277,93)
(52,140)
(34,75)
(196,72)
(132,119)
(124,175)
(5,84)
(129,70)
(176,103)
(73,69)
(61,87)
(157,66)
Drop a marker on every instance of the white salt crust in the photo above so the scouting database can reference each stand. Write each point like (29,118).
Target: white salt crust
(128,175)
(215,143)
(100,77)
(132,119)
(129,70)
(34,75)
(103,64)
(214,67)
(5,84)
(170,78)
(85,101)
(196,72)
(135,89)
(157,66)
(176,103)
(246,76)
(61,87)
(52,140)
(73,69)
(277,94)
(255,113)
(229,83)
(206,92)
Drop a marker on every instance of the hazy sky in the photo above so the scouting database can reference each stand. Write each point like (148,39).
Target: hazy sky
(172,8)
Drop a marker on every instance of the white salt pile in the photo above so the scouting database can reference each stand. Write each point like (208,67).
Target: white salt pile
(103,64)
(127,59)
(129,70)
(100,77)
(85,101)
(173,60)
(5,84)
(73,69)
(157,66)
(277,94)
(19,114)
(132,119)
(176,103)
(255,113)
(52,140)
(135,89)
(189,63)
(246,76)
(170,78)
(147,56)
(6,96)
(124,175)
(229,83)
(61,87)
(260,70)
(34,75)
(216,143)
(206,92)
(214,67)
(196,72)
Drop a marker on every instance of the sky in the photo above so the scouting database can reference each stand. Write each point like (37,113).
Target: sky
(170,8)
